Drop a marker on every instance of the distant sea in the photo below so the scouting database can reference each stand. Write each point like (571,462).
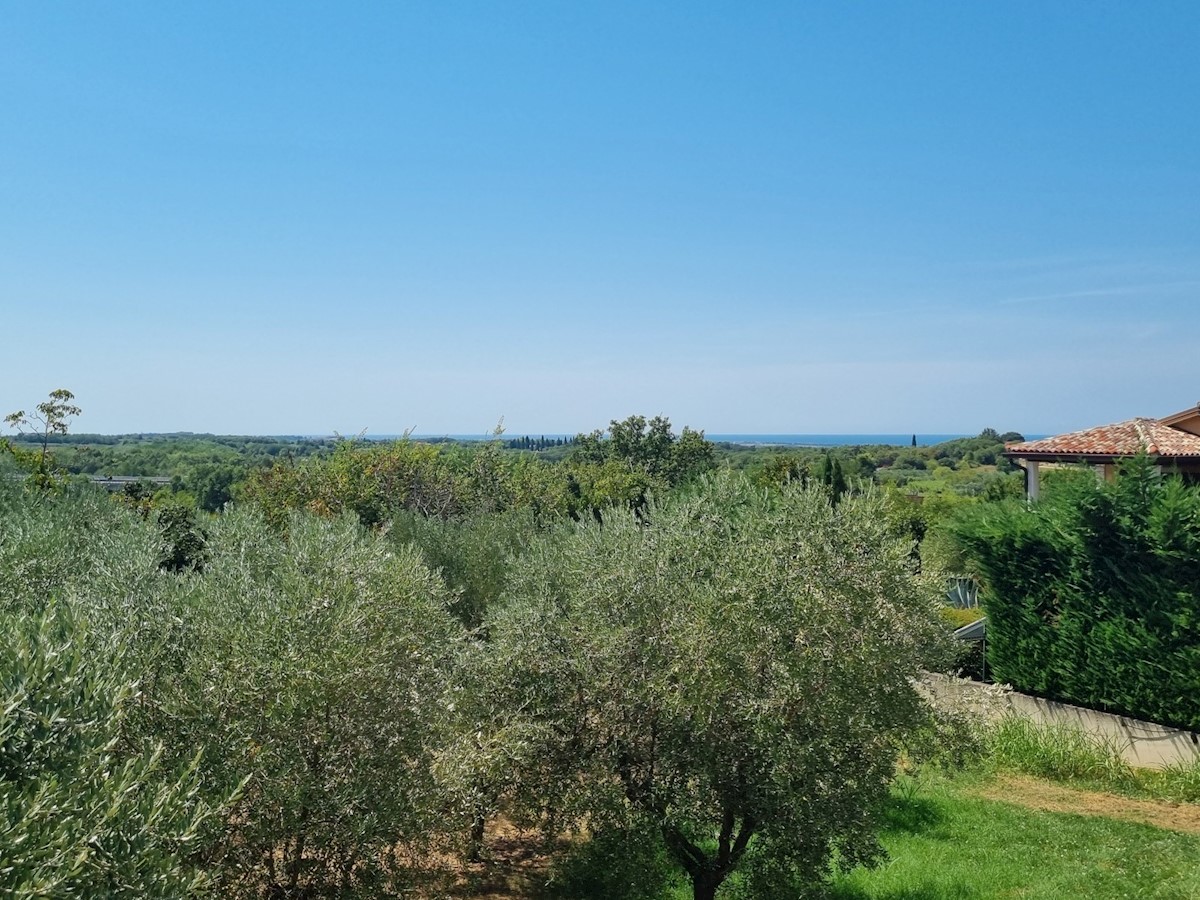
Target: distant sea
(832,440)
(749,440)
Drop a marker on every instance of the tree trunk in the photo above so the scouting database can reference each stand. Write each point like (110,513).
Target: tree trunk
(475,851)
(705,884)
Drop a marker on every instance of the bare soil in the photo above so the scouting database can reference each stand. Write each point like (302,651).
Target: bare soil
(516,862)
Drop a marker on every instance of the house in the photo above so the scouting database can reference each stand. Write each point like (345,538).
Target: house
(1172,442)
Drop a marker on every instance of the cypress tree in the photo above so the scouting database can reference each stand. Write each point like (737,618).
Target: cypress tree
(837,481)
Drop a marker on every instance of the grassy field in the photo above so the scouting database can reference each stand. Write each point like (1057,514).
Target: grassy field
(995,835)
(949,841)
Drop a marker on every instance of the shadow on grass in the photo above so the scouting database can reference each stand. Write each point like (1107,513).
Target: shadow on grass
(617,866)
(915,815)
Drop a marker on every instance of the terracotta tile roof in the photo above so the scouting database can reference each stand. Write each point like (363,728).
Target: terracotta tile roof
(1121,439)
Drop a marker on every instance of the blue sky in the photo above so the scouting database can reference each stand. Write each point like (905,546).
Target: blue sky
(768,217)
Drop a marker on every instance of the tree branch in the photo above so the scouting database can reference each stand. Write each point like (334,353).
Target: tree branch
(691,857)
(727,822)
(749,825)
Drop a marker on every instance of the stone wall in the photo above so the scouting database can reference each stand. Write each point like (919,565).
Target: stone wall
(1143,744)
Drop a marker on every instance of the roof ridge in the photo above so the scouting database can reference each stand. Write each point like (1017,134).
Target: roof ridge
(1144,435)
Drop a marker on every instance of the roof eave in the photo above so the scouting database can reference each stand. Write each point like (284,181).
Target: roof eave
(1182,416)
(1091,458)
(1057,456)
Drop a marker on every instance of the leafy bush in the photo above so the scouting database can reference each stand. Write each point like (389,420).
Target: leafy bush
(615,865)
(184,541)
(309,671)
(96,558)
(1093,594)
(375,480)
(472,555)
(958,617)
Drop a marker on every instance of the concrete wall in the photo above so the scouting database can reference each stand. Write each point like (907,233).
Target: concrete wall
(1142,744)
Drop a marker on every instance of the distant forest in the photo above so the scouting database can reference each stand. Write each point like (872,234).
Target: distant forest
(209,470)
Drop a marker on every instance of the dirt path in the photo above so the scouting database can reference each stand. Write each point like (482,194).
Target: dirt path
(1033,793)
(517,860)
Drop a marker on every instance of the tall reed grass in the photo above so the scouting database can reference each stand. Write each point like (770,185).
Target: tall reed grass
(1064,753)
(1057,752)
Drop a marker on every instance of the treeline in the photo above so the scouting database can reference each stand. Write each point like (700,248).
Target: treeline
(171,455)
(634,461)
(206,471)
(526,442)
(271,443)
(627,463)
(630,461)
(964,466)
(337,686)
(209,470)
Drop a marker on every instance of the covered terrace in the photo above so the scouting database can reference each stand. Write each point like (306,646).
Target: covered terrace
(1173,443)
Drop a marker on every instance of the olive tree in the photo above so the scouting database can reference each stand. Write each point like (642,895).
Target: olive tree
(81,813)
(310,670)
(734,668)
(300,675)
(89,807)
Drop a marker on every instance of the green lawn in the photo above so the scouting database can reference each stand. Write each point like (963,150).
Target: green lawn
(945,843)
(948,845)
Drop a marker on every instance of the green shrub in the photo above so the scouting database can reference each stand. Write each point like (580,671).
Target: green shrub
(374,480)
(308,669)
(76,546)
(615,865)
(184,541)
(472,555)
(957,617)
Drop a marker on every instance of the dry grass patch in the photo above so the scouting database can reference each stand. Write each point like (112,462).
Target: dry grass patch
(1034,793)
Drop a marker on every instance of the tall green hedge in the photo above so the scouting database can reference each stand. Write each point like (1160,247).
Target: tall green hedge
(1093,593)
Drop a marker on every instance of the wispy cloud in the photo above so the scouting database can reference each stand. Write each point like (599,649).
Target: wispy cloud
(1122,291)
